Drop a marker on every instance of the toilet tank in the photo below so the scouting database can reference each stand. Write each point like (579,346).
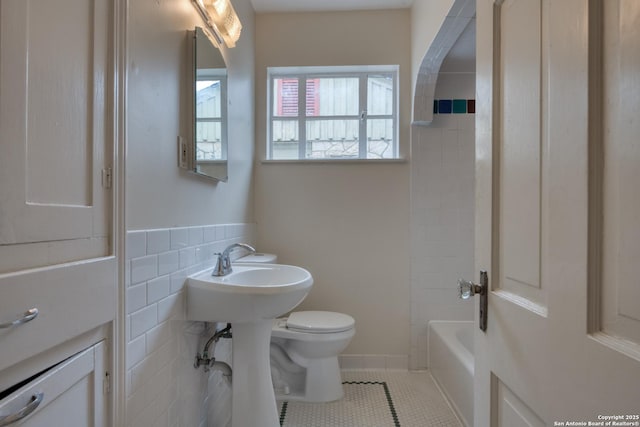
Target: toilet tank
(259,257)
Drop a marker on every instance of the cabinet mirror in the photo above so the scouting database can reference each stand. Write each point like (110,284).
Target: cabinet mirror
(209,109)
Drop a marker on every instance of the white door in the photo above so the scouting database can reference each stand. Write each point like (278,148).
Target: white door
(56,133)
(558,211)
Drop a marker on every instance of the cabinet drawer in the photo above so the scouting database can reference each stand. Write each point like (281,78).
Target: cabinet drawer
(71,299)
(68,394)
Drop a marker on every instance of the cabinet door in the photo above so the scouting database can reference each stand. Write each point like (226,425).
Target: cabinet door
(70,394)
(56,133)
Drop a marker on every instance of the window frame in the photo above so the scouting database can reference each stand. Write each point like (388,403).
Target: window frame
(362,73)
(206,74)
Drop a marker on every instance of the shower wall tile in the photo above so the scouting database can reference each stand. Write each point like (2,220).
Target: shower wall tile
(161,384)
(444,106)
(455,86)
(460,106)
(442,213)
(471,106)
(454,106)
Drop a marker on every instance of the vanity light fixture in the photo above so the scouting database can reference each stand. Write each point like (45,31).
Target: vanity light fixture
(221,17)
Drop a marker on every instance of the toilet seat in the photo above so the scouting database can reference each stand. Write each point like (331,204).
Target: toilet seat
(319,322)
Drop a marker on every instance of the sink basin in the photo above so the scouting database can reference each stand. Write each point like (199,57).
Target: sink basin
(249,298)
(250,293)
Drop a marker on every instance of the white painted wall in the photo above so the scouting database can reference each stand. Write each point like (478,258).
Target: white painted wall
(427,17)
(158,193)
(166,207)
(347,223)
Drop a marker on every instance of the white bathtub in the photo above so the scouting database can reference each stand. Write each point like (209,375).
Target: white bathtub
(451,364)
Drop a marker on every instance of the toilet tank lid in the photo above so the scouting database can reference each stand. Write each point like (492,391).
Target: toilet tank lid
(319,321)
(259,257)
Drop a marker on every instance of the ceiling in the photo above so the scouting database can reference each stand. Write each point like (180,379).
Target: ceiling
(326,5)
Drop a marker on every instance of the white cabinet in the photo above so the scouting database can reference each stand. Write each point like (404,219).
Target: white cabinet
(69,394)
(56,151)
(57,131)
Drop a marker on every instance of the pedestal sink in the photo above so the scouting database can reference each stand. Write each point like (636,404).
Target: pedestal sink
(249,297)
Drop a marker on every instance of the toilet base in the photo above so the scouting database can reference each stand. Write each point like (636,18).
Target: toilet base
(322,382)
(304,363)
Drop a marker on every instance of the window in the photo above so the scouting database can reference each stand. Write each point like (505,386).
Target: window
(333,113)
(210,127)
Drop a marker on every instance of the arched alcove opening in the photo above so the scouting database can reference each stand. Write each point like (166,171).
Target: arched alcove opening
(462,12)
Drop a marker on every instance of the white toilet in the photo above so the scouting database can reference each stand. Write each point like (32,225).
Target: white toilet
(304,355)
(304,351)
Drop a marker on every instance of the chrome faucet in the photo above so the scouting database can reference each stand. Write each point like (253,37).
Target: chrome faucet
(223,261)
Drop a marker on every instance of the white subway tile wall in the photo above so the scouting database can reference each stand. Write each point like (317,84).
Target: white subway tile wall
(442,216)
(162,387)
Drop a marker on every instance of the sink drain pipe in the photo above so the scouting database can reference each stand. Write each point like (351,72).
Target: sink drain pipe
(210,363)
(222,367)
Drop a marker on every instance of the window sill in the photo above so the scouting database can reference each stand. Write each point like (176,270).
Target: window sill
(335,161)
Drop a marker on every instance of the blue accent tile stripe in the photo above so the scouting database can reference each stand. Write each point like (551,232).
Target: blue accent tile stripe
(471,106)
(454,106)
(444,106)
(459,106)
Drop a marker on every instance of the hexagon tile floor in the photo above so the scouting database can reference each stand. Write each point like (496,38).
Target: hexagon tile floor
(376,399)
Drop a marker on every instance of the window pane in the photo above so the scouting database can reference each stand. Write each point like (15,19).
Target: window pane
(285,97)
(208,140)
(284,139)
(332,139)
(285,150)
(208,131)
(284,130)
(208,99)
(332,96)
(380,139)
(380,95)
(209,151)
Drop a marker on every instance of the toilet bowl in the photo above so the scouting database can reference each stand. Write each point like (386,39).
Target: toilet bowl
(304,351)
(304,355)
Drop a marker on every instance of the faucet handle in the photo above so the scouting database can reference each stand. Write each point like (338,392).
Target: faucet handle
(219,268)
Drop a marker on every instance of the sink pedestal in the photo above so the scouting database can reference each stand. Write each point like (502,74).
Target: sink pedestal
(253,403)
